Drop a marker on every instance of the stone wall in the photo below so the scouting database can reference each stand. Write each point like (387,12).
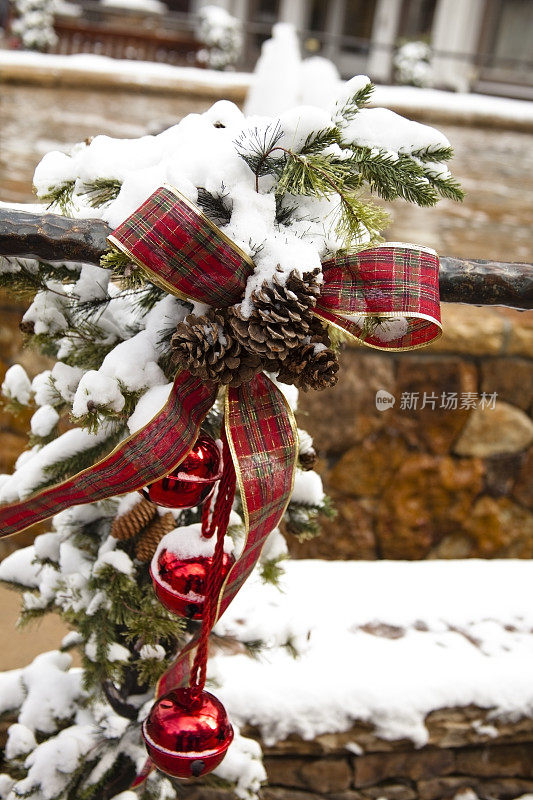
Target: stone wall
(465,750)
(430,482)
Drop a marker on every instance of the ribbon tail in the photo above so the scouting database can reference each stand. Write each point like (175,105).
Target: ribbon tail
(263,441)
(145,772)
(147,455)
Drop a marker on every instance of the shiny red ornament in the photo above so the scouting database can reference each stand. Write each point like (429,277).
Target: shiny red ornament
(179,583)
(194,479)
(186,735)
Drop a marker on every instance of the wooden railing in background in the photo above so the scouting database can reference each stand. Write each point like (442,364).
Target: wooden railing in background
(140,43)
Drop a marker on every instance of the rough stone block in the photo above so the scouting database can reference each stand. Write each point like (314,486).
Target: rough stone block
(415,765)
(495,431)
(285,772)
(514,760)
(327,775)
(428,419)
(346,414)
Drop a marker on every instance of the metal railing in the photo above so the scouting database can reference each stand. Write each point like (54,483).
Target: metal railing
(52,237)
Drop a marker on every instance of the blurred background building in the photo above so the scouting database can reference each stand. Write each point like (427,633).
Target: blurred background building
(479,45)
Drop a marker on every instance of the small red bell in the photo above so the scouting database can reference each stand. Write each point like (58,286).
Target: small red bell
(187,735)
(180,567)
(194,479)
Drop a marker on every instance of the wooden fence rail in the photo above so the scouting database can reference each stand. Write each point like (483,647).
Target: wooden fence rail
(125,41)
(52,237)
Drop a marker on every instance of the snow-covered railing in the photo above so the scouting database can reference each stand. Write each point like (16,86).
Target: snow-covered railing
(52,237)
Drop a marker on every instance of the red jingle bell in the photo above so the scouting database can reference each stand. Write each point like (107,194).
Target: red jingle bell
(179,570)
(187,734)
(194,479)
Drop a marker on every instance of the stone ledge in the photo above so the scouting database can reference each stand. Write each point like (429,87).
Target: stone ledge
(448,728)
(466,750)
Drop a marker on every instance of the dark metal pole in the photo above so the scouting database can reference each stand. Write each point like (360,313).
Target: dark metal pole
(52,237)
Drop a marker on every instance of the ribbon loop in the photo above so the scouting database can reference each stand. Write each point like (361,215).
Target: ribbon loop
(183,251)
(395,283)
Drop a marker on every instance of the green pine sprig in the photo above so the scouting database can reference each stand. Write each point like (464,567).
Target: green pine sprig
(60,196)
(101,191)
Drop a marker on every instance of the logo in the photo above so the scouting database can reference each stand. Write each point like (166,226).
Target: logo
(384,400)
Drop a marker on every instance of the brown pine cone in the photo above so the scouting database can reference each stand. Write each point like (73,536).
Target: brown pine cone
(133,521)
(146,545)
(207,347)
(311,367)
(282,316)
(308,459)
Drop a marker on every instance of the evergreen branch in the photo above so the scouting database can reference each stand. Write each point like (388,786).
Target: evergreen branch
(71,465)
(301,520)
(130,275)
(353,104)
(316,142)
(22,283)
(255,149)
(97,414)
(447,187)
(272,570)
(215,205)
(60,196)
(101,191)
(86,354)
(391,178)
(432,153)
(44,342)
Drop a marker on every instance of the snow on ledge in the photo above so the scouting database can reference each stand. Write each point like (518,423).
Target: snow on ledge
(380,642)
(474,107)
(404,99)
(142,73)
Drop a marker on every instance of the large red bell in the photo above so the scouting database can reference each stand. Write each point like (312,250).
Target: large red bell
(194,479)
(186,735)
(179,570)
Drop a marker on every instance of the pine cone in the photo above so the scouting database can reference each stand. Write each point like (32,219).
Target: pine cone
(146,545)
(282,316)
(308,459)
(132,522)
(311,367)
(206,346)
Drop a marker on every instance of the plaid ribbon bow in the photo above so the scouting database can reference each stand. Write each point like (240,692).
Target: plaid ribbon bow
(181,250)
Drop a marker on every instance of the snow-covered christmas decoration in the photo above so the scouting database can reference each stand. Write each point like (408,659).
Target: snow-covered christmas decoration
(222,35)
(250,240)
(412,64)
(34,24)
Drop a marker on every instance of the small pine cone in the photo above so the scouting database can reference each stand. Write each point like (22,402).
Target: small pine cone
(206,346)
(282,316)
(133,521)
(27,327)
(311,367)
(321,371)
(308,459)
(146,545)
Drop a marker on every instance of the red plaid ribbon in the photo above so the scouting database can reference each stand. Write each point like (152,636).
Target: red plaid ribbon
(388,281)
(147,455)
(182,251)
(263,441)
